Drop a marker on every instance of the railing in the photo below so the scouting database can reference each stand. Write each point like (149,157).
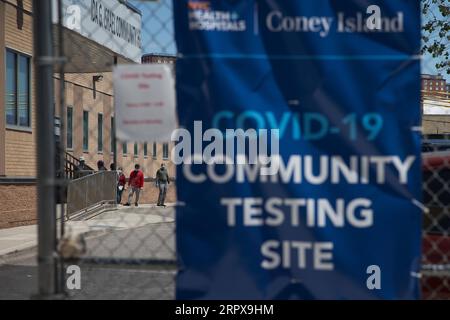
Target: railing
(70,165)
(69,168)
(91,193)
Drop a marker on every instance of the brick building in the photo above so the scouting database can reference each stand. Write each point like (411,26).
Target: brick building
(88,111)
(432,84)
(435,101)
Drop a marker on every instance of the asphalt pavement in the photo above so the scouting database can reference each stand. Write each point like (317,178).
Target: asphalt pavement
(121,262)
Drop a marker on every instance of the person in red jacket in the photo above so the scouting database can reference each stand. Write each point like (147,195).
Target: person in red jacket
(136,184)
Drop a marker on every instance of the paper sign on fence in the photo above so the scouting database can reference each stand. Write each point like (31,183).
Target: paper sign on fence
(144,102)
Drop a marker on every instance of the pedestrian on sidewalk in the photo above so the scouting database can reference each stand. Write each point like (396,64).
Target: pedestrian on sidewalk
(135,184)
(101,166)
(162,181)
(81,169)
(121,182)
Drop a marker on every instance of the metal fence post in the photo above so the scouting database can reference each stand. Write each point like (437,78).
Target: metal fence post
(62,183)
(44,59)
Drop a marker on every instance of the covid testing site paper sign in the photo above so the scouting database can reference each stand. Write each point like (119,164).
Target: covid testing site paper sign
(144,98)
(327,105)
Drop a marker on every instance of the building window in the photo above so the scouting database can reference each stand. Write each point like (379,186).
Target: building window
(17,89)
(69,136)
(125,148)
(100,132)
(136,151)
(145,150)
(165,151)
(113,133)
(85,130)
(57,129)
(154,150)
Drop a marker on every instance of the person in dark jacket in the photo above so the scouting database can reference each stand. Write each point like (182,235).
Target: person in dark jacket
(162,182)
(81,169)
(101,166)
(121,182)
(136,184)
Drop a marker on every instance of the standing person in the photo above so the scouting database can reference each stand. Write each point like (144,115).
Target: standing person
(162,181)
(81,169)
(121,182)
(136,184)
(101,166)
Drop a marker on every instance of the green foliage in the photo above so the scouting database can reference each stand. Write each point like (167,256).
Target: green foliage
(436,32)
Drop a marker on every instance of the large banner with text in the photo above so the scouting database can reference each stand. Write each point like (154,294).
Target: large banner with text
(298,152)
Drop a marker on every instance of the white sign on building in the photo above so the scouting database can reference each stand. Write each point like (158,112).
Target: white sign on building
(110,23)
(436,107)
(144,98)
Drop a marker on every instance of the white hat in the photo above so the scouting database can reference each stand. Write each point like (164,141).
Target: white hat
(81,158)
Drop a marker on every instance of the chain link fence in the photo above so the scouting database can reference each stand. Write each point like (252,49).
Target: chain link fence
(436,221)
(125,252)
(129,251)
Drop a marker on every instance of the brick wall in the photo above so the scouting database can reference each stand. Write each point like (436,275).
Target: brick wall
(18,205)
(19,202)
(20,154)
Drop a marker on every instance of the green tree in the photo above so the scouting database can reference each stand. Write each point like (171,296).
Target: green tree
(436,32)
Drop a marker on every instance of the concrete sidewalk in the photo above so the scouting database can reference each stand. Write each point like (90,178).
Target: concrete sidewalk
(21,238)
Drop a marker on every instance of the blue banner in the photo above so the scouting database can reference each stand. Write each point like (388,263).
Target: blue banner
(328,94)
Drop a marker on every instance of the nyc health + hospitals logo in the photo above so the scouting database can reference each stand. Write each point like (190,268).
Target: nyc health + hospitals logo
(203,17)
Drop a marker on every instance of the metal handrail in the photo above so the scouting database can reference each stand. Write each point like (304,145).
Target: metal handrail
(70,163)
(90,175)
(91,192)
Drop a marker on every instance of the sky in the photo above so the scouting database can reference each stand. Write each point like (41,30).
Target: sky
(157,26)
(158,33)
